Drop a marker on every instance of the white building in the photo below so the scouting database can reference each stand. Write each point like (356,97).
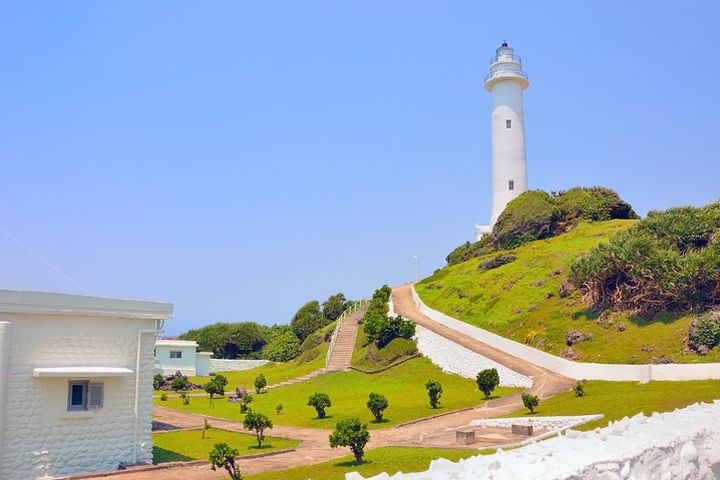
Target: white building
(75,382)
(181,355)
(506,82)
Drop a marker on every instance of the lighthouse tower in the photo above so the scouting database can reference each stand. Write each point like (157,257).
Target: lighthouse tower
(506,82)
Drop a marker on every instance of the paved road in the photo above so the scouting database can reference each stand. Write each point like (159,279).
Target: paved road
(434,432)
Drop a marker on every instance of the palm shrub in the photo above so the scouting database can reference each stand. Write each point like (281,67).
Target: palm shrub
(351,433)
(487,380)
(434,391)
(319,401)
(223,456)
(377,404)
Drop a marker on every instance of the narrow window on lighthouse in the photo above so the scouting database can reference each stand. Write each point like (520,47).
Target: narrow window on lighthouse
(511,183)
(508,124)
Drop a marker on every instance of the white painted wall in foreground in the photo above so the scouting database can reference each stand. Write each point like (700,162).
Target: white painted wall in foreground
(52,330)
(682,445)
(568,368)
(454,358)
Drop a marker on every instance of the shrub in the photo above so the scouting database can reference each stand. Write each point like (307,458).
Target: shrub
(180,383)
(704,332)
(497,261)
(311,342)
(257,422)
(487,380)
(530,216)
(377,404)
(185,398)
(163,397)
(279,409)
(351,433)
(594,203)
(245,402)
(469,250)
(395,327)
(158,381)
(434,391)
(580,388)
(319,401)
(216,385)
(260,383)
(308,319)
(223,456)
(283,347)
(530,401)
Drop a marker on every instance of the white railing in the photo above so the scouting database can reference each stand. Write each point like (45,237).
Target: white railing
(349,311)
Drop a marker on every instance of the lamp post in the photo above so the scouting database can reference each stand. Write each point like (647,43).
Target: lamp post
(416,267)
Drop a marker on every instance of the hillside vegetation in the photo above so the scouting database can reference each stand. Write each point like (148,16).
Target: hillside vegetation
(524,294)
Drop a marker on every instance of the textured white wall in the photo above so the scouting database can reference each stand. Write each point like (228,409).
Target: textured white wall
(222,365)
(202,364)
(454,358)
(36,408)
(576,370)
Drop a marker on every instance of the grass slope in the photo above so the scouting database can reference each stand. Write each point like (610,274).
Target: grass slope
(388,459)
(189,445)
(403,385)
(520,300)
(369,358)
(625,399)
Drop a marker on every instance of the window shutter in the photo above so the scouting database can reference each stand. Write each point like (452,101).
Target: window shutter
(95,396)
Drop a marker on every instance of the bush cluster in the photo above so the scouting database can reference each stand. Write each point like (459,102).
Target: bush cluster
(378,326)
(669,261)
(535,215)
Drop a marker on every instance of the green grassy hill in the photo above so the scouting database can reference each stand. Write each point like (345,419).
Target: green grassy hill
(522,300)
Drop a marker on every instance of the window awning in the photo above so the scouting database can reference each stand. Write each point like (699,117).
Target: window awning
(84,372)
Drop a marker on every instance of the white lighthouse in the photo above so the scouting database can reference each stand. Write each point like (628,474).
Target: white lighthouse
(506,82)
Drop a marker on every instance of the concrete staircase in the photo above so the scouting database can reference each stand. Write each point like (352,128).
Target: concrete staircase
(339,356)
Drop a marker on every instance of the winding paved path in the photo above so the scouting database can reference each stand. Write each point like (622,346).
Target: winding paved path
(432,432)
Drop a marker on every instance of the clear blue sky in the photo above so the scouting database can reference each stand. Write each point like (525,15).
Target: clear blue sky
(240,158)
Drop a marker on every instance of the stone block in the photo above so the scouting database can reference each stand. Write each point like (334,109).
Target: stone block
(465,437)
(522,430)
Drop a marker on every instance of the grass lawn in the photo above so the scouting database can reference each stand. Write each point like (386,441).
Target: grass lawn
(189,445)
(387,459)
(403,385)
(521,301)
(274,372)
(625,399)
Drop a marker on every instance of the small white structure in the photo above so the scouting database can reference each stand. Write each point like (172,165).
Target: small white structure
(75,382)
(506,82)
(181,355)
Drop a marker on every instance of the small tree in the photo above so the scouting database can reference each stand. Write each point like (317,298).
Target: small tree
(530,401)
(206,427)
(260,383)
(434,391)
(351,433)
(580,388)
(222,456)
(216,386)
(377,404)
(319,401)
(179,383)
(185,398)
(257,422)
(487,380)
(158,381)
(279,409)
(245,402)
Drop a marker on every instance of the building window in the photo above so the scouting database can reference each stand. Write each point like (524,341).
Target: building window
(83,395)
(175,354)
(511,184)
(508,124)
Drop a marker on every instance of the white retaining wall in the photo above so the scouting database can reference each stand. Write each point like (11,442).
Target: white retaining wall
(224,365)
(454,358)
(568,368)
(682,445)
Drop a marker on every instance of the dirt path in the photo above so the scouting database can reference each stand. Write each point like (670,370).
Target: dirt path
(433,432)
